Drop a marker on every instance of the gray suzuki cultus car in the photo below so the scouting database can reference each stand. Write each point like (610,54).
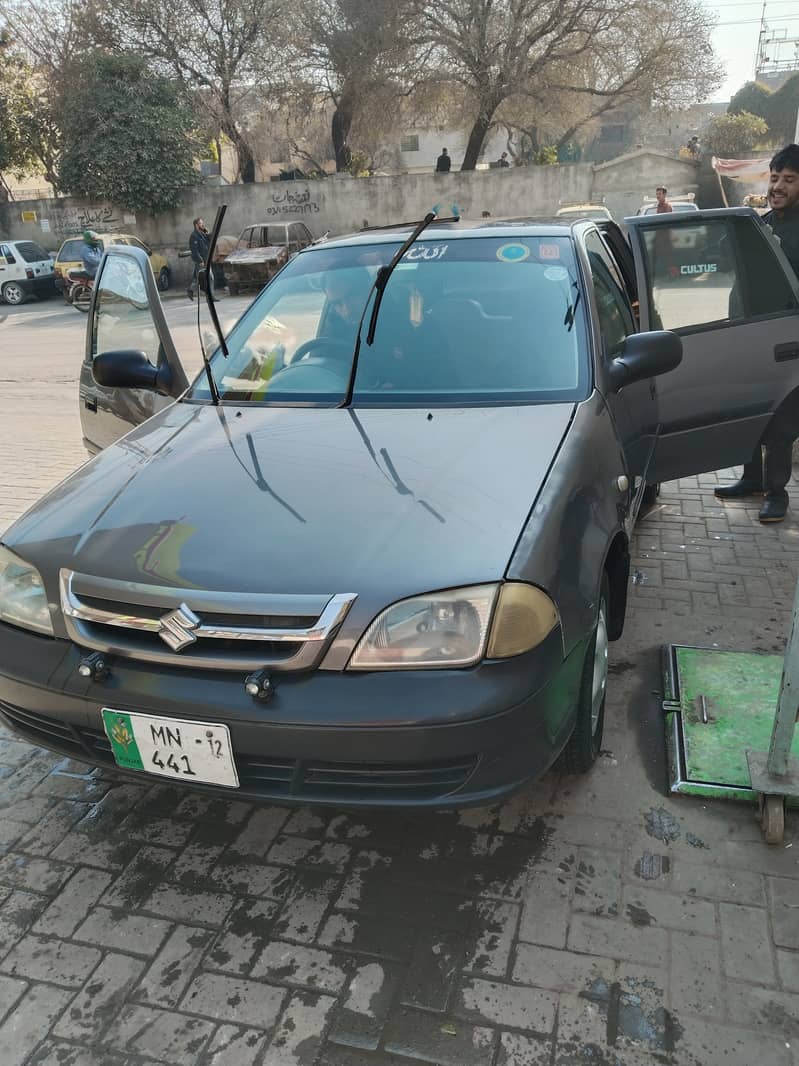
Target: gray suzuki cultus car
(346,572)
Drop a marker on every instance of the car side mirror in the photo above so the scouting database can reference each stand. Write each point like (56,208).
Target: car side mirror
(128,368)
(645,355)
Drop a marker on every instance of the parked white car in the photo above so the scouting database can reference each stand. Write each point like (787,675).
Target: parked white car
(25,268)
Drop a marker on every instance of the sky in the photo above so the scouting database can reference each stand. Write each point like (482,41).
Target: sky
(736,34)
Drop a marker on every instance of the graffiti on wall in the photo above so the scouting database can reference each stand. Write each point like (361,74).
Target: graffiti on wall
(76,219)
(293,203)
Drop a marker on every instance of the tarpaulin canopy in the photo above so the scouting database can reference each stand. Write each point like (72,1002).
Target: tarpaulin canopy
(746,170)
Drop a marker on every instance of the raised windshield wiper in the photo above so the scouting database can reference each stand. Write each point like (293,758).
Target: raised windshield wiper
(378,288)
(204,276)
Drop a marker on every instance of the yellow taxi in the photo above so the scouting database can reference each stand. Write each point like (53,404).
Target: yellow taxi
(70,257)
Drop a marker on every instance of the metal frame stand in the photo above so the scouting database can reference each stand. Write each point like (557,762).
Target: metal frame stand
(775,776)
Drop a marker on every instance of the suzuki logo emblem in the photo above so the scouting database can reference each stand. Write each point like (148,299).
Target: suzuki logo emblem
(177,628)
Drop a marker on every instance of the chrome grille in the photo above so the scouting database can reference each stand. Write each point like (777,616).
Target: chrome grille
(205,630)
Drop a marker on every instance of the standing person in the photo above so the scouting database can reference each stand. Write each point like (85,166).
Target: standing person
(198,246)
(663,206)
(443,163)
(503,160)
(694,147)
(769,469)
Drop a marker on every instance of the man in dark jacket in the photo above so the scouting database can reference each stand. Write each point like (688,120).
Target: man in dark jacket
(198,246)
(769,469)
(443,163)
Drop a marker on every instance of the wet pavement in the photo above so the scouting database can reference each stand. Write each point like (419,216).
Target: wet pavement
(593,920)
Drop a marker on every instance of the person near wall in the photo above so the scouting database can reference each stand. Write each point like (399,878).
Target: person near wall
(503,160)
(199,242)
(444,162)
(769,470)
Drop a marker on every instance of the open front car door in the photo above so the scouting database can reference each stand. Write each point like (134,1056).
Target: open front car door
(126,316)
(720,280)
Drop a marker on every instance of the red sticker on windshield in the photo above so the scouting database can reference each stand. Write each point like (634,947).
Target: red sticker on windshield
(549,251)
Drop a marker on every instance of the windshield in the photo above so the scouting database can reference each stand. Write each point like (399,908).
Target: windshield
(465,320)
(71,250)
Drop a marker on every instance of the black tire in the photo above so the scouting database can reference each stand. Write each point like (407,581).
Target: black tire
(82,297)
(584,744)
(13,293)
(164,279)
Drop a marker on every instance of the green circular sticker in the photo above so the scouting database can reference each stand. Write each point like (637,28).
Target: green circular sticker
(513,253)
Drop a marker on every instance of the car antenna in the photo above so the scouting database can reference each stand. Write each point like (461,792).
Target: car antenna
(204,284)
(378,288)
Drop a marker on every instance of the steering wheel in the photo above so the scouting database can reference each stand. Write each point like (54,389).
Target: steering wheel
(313,374)
(321,346)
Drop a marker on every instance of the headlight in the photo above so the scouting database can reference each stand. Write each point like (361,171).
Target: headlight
(23,601)
(441,629)
(457,628)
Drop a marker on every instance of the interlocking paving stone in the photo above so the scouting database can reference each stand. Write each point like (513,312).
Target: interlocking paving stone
(44,959)
(298,1035)
(173,967)
(158,1034)
(745,943)
(696,984)
(233,1000)
(618,940)
(299,966)
(369,999)
(507,1005)
(115,928)
(247,932)
(234,1045)
(785,912)
(11,990)
(96,1004)
(73,903)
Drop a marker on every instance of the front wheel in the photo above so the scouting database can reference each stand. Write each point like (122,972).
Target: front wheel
(582,750)
(13,293)
(163,279)
(82,297)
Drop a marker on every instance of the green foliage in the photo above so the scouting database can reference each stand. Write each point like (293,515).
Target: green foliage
(782,108)
(546,156)
(753,98)
(15,152)
(729,135)
(129,135)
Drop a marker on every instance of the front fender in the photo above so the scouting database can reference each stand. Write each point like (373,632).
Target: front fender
(575,520)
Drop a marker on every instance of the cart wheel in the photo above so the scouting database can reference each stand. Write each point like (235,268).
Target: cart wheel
(772,817)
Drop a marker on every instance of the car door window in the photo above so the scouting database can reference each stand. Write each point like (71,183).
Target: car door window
(7,253)
(245,240)
(122,318)
(135,243)
(613,308)
(712,273)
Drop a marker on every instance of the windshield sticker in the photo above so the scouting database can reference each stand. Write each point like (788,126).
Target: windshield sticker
(426,251)
(556,274)
(513,253)
(549,251)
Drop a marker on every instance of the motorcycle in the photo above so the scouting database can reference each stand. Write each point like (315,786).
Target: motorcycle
(78,289)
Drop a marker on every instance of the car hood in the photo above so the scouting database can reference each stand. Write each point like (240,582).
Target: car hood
(379,502)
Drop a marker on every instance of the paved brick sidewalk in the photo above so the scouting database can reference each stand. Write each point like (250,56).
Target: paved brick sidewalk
(586,921)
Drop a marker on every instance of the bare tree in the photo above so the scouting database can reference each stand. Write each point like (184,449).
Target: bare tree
(361,52)
(594,53)
(229,51)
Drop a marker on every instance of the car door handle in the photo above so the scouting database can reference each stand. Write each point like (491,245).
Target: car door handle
(784,352)
(90,403)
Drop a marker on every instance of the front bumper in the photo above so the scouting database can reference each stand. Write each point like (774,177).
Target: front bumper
(399,739)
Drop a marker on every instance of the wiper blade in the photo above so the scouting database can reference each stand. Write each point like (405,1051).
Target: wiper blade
(203,283)
(377,290)
(385,272)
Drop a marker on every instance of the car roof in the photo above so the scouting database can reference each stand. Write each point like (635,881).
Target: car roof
(528,226)
(102,236)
